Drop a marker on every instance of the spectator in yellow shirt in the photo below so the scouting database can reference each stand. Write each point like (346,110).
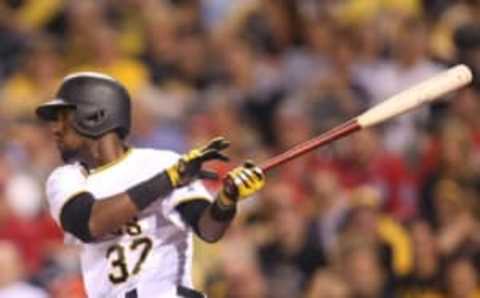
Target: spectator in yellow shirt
(108,59)
(366,222)
(34,82)
(30,15)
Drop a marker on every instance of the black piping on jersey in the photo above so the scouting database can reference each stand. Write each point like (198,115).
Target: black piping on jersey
(181,248)
(132,294)
(189,293)
(190,199)
(191,210)
(75,216)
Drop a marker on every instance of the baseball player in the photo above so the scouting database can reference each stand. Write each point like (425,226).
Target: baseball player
(132,210)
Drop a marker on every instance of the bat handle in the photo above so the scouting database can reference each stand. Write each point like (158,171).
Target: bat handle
(307,146)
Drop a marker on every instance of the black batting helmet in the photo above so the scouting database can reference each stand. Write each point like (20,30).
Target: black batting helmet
(100,103)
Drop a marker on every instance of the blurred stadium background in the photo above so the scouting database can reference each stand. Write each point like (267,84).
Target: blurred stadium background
(390,212)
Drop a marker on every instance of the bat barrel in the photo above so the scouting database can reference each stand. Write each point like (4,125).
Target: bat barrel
(417,95)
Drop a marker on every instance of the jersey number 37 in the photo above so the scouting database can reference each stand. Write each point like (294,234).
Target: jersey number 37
(117,256)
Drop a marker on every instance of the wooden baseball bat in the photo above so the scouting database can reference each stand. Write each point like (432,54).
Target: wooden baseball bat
(403,102)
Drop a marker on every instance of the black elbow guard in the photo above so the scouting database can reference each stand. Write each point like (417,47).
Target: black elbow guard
(75,216)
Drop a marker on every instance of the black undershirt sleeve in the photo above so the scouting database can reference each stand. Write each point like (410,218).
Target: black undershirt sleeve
(191,212)
(143,194)
(75,216)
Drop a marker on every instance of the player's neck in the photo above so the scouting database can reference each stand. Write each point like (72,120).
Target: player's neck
(107,150)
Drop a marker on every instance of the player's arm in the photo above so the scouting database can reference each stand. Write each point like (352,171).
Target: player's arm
(210,220)
(90,219)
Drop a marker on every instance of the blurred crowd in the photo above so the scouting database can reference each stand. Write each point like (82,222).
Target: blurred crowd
(388,212)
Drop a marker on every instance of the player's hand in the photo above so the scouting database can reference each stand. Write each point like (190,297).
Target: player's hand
(189,166)
(240,183)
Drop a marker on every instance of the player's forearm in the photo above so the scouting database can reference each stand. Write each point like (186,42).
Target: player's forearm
(214,222)
(241,183)
(110,214)
(89,218)
(208,222)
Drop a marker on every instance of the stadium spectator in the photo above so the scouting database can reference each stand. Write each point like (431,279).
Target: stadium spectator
(326,284)
(34,82)
(425,280)
(391,211)
(462,279)
(13,281)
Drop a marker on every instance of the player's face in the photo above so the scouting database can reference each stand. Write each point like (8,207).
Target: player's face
(69,142)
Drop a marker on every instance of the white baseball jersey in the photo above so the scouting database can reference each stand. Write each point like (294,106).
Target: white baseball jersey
(152,254)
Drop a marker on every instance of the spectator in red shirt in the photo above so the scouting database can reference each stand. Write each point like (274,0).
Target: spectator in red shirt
(362,160)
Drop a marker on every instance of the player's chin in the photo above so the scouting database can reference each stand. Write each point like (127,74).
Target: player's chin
(68,154)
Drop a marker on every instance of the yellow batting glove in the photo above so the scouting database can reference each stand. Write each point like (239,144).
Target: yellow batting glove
(189,166)
(242,182)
